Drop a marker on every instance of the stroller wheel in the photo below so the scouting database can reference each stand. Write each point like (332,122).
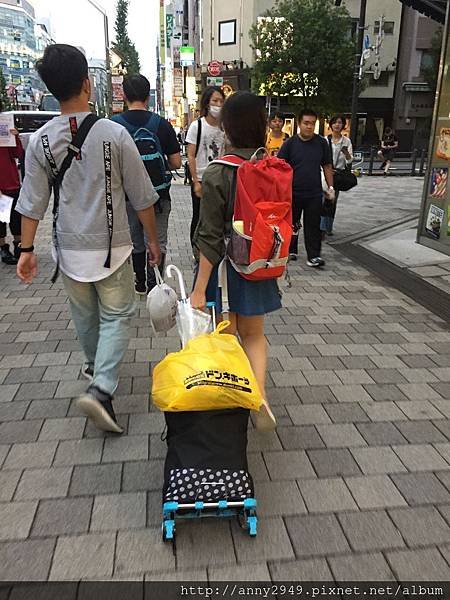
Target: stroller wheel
(252,525)
(168,530)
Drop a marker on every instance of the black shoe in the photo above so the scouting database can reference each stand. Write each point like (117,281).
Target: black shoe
(292,256)
(140,288)
(97,405)
(16,250)
(6,255)
(87,371)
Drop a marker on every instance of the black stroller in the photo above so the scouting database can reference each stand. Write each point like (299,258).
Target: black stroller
(206,471)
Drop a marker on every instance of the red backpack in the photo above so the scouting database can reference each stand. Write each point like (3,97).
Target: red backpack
(261,227)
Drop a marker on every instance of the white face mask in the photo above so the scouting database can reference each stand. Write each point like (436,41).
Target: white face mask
(214,111)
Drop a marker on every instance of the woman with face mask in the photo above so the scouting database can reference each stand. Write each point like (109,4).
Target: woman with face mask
(205,141)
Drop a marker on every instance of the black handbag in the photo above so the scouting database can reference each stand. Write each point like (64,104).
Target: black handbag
(344,179)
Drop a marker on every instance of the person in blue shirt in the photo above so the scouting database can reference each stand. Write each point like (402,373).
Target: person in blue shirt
(136,90)
(307,153)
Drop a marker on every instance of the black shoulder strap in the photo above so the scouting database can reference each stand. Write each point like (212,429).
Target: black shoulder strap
(75,146)
(331,150)
(73,150)
(199,135)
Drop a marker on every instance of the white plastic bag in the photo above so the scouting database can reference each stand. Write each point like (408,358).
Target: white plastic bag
(190,321)
(162,305)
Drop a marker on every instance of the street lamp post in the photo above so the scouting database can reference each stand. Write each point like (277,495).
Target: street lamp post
(107,57)
(357,73)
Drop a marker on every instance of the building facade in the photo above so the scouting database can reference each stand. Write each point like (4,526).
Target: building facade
(414,97)
(382,39)
(225,37)
(176,86)
(22,42)
(99,84)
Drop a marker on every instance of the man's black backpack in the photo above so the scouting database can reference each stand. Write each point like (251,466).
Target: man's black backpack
(149,147)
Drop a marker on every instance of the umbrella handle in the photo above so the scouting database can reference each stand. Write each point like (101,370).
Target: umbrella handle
(169,270)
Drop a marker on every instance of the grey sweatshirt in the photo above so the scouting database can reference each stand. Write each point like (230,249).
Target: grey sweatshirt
(82,223)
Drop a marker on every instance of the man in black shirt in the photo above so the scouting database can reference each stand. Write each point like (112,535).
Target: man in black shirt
(307,153)
(136,90)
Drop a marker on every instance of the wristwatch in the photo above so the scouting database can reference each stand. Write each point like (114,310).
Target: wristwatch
(25,250)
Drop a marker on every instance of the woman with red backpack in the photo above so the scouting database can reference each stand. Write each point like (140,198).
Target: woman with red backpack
(244,123)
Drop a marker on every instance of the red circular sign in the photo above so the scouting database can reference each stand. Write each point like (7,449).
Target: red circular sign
(214,68)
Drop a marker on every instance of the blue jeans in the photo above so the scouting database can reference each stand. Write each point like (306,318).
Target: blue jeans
(101,312)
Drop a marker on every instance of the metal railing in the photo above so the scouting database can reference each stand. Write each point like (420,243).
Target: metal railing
(412,163)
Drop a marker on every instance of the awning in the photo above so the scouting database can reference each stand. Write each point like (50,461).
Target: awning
(435,9)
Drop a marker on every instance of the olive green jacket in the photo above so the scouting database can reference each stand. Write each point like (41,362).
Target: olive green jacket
(216,209)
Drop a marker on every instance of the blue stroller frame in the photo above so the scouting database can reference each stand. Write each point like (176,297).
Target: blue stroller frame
(245,511)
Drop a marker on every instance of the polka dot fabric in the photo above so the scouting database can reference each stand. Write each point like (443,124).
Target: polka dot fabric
(209,485)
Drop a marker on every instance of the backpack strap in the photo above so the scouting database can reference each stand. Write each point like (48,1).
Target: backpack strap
(153,123)
(73,150)
(119,118)
(331,150)
(233,161)
(230,160)
(199,135)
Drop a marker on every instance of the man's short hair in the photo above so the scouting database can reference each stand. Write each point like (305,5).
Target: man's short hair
(136,88)
(277,115)
(307,112)
(63,69)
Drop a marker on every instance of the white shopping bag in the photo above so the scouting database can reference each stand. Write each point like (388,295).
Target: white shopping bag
(5,207)
(162,305)
(190,321)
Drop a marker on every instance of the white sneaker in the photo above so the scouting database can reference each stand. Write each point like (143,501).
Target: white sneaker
(315,262)
(265,419)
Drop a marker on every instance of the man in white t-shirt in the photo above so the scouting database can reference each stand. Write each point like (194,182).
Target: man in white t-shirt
(91,234)
(204,145)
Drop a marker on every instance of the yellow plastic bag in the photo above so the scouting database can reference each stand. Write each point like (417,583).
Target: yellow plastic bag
(212,372)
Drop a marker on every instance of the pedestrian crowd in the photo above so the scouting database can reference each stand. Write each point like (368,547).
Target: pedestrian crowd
(111,184)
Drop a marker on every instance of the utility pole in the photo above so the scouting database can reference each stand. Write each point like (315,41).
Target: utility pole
(357,74)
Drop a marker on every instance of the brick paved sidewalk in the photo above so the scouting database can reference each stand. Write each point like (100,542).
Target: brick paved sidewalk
(354,484)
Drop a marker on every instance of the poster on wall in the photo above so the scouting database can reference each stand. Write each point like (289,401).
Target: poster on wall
(439,181)
(443,146)
(434,221)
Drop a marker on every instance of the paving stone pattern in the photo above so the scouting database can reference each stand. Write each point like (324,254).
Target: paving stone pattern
(355,484)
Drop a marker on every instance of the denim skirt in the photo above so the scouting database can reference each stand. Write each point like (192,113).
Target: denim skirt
(247,298)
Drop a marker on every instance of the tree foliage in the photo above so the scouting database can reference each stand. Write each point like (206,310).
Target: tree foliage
(4,100)
(124,45)
(304,50)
